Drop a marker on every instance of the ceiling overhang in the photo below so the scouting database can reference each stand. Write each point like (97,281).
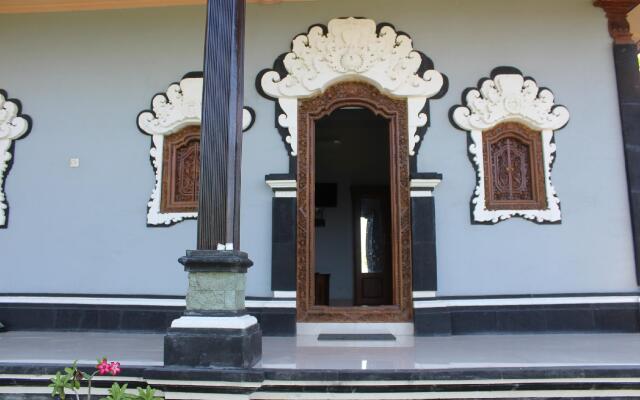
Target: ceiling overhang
(35,6)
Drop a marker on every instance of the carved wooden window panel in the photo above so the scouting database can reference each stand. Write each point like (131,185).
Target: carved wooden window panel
(181,171)
(514,168)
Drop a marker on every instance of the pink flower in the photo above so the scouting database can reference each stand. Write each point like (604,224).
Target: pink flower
(104,367)
(115,368)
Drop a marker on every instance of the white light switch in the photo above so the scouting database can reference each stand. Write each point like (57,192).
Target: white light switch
(74,162)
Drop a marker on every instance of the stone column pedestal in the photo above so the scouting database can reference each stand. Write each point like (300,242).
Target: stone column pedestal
(215,330)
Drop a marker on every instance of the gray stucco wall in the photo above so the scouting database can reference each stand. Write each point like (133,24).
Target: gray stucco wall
(83,77)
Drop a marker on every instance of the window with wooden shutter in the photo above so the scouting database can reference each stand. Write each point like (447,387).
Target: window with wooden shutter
(514,171)
(181,171)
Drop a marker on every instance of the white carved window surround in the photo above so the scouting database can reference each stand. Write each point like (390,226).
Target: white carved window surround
(180,107)
(509,97)
(351,49)
(13,126)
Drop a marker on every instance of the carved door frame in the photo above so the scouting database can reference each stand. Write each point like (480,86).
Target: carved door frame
(354,93)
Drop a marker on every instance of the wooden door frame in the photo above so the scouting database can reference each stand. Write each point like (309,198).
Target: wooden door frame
(354,93)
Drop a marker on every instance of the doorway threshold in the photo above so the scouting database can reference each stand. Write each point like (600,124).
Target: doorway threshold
(356,337)
(346,328)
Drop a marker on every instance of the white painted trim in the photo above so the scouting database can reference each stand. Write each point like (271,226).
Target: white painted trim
(266,395)
(205,396)
(292,194)
(291,294)
(282,303)
(311,383)
(394,328)
(131,301)
(12,127)
(169,382)
(270,303)
(189,322)
(524,301)
(511,98)
(452,382)
(507,394)
(424,183)
(47,390)
(423,294)
(98,301)
(277,184)
(81,362)
(421,193)
(352,49)
(178,108)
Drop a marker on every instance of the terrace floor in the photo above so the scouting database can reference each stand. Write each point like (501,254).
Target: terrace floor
(305,352)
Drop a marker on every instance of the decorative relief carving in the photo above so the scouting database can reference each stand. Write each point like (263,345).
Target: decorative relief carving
(509,116)
(352,49)
(362,95)
(616,12)
(178,109)
(13,126)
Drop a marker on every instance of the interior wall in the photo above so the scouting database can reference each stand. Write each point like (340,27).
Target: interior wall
(84,76)
(357,160)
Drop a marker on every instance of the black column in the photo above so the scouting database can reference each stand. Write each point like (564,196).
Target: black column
(628,77)
(283,251)
(426,321)
(221,141)
(423,247)
(215,330)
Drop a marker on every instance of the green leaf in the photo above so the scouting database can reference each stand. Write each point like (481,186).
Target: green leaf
(58,385)
(117,392)
(147,394)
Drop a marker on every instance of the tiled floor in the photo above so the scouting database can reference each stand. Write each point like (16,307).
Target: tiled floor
(307,353)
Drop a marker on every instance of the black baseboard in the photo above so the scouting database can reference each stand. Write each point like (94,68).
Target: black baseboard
(430,321)
(152,319)
(556,318)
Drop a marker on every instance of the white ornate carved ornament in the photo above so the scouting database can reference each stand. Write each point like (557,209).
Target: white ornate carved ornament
(510,97)
(13,126)
(352,49)
(178,108)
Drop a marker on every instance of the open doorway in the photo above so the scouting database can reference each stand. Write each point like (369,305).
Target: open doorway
(352,141)
(352,209)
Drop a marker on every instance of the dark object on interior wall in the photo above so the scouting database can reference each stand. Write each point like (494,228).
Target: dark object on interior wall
(322,289)
(326,195)
(320,221)
(2,328)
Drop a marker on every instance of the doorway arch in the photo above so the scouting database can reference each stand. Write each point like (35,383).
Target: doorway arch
(350,61)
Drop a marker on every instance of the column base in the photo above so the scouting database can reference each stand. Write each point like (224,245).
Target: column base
(218,342)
